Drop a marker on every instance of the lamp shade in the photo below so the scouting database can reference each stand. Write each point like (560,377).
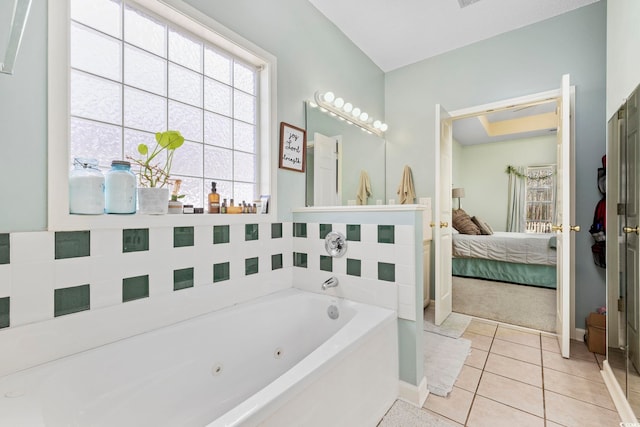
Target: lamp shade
(457,193)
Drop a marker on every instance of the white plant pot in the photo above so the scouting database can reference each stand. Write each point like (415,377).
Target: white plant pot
(153,201)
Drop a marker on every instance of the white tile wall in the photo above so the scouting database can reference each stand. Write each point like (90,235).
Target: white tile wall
(366,288)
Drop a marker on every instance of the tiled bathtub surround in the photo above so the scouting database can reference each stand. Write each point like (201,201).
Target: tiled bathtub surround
(378,267)
(65,286)
(127,281)
(51,274)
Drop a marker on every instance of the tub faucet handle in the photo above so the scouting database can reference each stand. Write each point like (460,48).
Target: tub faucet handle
(331,282)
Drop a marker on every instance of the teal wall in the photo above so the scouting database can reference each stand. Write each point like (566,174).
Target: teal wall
(312,55)
(525,61)
(480,170)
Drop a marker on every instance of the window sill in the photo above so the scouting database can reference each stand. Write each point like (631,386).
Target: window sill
(71,222)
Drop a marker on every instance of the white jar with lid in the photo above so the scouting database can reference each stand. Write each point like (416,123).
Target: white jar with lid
(120,189)
(86,188)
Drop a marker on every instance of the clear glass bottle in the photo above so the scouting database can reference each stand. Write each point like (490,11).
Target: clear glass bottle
(86,188)
(120,189)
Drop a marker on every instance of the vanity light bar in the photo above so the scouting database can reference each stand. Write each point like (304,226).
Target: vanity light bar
(330,104)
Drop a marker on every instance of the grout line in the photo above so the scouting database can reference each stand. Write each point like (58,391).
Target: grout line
(544,398)
(475,393)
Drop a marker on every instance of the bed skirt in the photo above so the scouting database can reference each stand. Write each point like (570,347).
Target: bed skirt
(522,274)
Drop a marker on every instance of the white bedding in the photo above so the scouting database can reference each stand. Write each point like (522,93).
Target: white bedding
(522,248)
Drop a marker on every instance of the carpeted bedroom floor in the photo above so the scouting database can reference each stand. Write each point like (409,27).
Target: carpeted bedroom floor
(526,306)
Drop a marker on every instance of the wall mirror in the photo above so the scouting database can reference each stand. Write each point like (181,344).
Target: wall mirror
(337,154)
(13,17)
(623,249)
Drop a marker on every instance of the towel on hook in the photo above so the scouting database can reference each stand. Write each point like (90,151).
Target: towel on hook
(364,189)
(405,190)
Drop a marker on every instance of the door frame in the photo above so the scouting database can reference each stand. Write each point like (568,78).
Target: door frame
(532,99)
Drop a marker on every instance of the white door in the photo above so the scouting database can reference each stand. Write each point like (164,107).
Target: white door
(325,171)
(563,225)
(442,218)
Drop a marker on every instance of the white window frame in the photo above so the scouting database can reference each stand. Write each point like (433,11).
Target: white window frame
(58,105)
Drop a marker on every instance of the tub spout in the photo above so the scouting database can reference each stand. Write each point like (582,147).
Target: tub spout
(331,282)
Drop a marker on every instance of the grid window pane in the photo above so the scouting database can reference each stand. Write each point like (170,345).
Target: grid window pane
(217,65)
(185,85)
(144,111)
(185,51)
(244,107)
(145,32)
(133,138)
(159,77)
(95,52)
(95,98)
(244,192)
(244,167)
(188,160)
(145,71)
(244,137)
(218,163)
(103,15)
(186,119)
(217,130)
(244,78)
(96,140)
(217,97)
(193,190)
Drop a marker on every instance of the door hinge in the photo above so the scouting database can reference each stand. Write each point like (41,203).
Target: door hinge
(621,208)
(621,304)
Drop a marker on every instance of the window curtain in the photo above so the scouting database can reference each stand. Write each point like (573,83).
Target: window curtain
(515,203)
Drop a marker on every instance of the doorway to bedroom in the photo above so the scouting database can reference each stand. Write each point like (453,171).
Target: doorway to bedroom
(504,204)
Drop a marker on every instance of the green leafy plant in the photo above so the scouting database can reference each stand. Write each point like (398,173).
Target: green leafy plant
(153,172)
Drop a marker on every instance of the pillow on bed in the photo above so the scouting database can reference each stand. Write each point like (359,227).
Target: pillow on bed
(463,223)
(484,227)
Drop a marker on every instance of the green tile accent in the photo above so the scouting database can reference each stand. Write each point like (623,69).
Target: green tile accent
(72,244)
(299,229)
(182,236)
(276,261)
(324,230)
(182,278)
(300,259)
(135,240)
(353,232)
(4,312)
(71,300)
(326,263)
(354,267)
(386,234)
(220,272)
(250,232)
(386,271)
(251,266)
(5,249)
(135,288)
(276,230)
(220,234)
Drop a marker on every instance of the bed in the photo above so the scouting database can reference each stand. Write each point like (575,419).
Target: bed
(522,258)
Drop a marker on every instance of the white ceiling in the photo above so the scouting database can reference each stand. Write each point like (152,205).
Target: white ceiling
(395,33)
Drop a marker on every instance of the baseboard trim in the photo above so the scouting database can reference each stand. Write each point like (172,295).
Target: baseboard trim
(617,395)
(578,334)
(416,395)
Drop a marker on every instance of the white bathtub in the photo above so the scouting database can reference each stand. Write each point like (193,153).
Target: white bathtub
(278,360)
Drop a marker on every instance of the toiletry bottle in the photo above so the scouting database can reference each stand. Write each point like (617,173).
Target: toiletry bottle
(214,200)
(223,207)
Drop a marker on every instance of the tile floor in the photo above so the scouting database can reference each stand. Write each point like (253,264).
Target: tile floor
(517,377)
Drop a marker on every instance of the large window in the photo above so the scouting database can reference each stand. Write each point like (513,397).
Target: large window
(134,73)
(540,196)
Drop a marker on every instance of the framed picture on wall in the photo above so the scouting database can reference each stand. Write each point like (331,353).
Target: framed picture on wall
(293,147)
